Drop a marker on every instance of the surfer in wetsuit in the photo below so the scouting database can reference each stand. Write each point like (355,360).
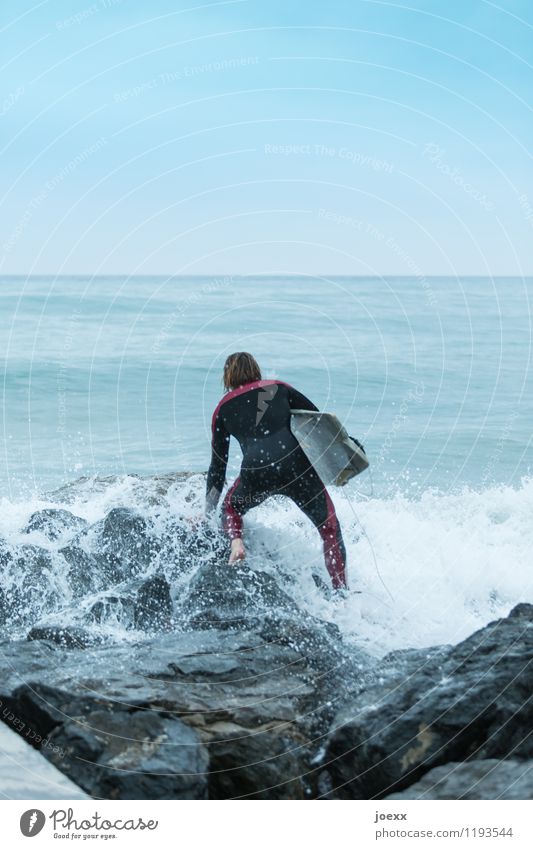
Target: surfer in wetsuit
(257,413)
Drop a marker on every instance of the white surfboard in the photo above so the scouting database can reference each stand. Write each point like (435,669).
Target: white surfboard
(328,447)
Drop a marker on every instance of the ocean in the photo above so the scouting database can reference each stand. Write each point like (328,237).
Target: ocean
(116,377)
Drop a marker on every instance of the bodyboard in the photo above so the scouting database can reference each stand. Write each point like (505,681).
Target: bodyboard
(328,447)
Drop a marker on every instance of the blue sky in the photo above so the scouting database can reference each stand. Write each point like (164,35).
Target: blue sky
(248,137)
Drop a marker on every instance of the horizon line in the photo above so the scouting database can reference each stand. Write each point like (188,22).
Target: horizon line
(301,274)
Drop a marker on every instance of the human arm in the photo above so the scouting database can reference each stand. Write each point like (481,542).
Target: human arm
(219,461)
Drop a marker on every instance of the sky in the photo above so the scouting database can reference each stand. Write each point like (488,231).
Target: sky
(244,137)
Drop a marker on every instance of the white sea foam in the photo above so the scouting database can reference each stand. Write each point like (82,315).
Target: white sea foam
(444,565)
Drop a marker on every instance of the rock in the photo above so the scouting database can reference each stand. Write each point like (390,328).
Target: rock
(89,573)
(258,709)
(483,779)
(70,636)
(125,536)
(116,549)
(113,608)
(5,554)
(142,605)
(153,604)
(258,765)
(54,523)
(27,591)
(149,490)
(470,701)
(110,750)
(183,549)
(224,596)
(123,754)
(145,605)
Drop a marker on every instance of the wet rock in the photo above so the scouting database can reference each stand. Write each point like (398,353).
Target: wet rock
(153,604)
(110,750)
(54,523)
(125,536)
(122,754)
(26,590)
(483,779)
(5,554)
(224,596)
(146,605)
(183,548)
(89,573)
(262,764)
(258,708)
(470,701)
(113,608)
(149,490)
(70,636)
(115,549)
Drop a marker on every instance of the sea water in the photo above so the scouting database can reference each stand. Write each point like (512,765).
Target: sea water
(112,377)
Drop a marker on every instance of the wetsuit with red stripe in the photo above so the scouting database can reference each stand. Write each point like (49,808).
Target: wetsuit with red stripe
(258,415)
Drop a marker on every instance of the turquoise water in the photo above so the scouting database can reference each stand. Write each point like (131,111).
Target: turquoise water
(119,375)
(113,376)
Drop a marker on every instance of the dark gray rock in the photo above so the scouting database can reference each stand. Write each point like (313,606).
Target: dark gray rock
(183,548)
(68,636)
(150,490)
(483,779)
(90,573)
(153,604)
(130,754)
(262,764)
(259,707)
(26,591)
(55,523)
(220,595)
(115,608)
(126,537)
(110,750)
(145,605)
(5,554)
(472,701)
(116,549)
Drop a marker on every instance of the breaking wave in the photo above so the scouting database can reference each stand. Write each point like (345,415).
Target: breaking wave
(107,556)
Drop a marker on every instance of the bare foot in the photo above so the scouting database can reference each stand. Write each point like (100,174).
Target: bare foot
(237,551)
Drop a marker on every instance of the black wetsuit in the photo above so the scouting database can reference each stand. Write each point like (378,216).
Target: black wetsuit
(258,416)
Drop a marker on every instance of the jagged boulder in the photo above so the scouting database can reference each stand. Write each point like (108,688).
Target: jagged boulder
(131,754)
(153,604)
(259,708)
(26,591)
(115,549)
(221,595)
(68,636)
(88,572)
(126,536)
(483,779)
(110,750)
(145,605)
(55,523)
(470,701)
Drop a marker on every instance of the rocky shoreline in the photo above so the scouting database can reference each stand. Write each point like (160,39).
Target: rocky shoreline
(226,688)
